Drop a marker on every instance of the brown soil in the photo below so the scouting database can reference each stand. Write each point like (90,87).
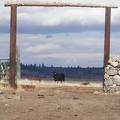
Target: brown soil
(59,103)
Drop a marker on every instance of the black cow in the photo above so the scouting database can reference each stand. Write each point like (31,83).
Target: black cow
(58,77)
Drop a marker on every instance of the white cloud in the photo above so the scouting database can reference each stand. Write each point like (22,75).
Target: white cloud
(63,16)
(73,56)
(42,48)
(51,17)
(61,49)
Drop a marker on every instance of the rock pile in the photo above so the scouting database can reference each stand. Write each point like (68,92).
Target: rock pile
(112,75)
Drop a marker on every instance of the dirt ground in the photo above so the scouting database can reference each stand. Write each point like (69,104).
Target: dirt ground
(59,103)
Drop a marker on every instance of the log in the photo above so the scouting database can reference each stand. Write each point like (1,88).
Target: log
(65,3)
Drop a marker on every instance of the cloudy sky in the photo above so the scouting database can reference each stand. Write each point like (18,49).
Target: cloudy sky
(60,36)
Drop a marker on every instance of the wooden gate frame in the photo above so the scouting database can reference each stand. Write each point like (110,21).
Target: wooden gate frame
(13,28)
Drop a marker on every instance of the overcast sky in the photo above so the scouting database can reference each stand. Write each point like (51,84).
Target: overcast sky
(60,36)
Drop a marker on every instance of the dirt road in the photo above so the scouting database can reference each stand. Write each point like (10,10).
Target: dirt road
(59,103)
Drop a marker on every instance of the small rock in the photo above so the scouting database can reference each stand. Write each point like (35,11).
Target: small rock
(114,85)
(118,64)
(110,61)
(108,67)
(6,105)
(76,98)
(14,97)
(96,92)
(118,72)
(40,96)
(1,92)
(85,83)
(17,97)
(114,64)
(112,71)
(75,114)
(108,82)
(106,76)
(115,59)
(116,80)
(30,110)
(13,93)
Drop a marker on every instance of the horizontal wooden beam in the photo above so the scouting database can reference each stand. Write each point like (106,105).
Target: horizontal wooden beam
(65,3)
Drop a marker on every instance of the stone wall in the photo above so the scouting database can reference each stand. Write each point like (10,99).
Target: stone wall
(112,75)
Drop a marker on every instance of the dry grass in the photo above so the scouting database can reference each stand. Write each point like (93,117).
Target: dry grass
(35,84)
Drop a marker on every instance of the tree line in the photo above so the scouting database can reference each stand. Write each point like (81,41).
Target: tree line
(46,72)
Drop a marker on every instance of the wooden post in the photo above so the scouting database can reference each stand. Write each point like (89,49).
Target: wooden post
(12,72)
(107,37)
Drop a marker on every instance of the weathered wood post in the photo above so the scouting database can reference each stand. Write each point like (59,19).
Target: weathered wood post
(12,72)
(107,37)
